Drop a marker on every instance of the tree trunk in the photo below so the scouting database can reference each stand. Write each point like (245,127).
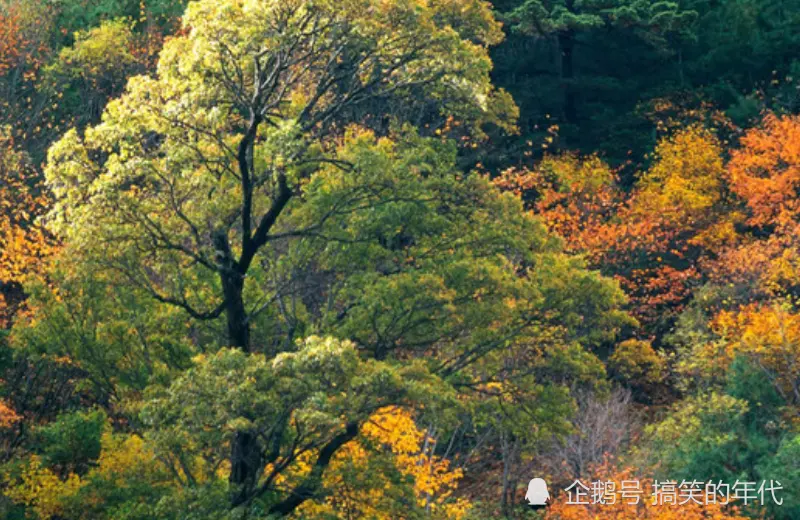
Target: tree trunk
(246,453)
(235,312)
(505,506)
(566,44)
(245,467)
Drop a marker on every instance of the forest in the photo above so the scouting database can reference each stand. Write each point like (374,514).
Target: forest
(393,259)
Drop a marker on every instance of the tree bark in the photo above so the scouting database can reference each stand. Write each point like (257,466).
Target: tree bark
(246,458)
(246,452)
(566,43)
(235,312)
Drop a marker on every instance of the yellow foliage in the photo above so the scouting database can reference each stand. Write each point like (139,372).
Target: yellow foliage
(687,178)
(122,455)
(434,481)
(637,362)
(23,242)
(123,458)
(394,429)
(767,335)
(42,490)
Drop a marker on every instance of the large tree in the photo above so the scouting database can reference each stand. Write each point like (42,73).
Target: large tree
(289,171)
(242,109)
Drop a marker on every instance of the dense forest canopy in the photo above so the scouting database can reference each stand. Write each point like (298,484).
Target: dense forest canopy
(395,258)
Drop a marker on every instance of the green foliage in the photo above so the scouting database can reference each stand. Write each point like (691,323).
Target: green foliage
(578,69)
(128,482)
(724,436)
(72,441)
(784,467)
(285,209)
(297,401)
(122,340)
(93,69)
(543,17)
(268,238)
(740,41)
(746,381)
(636,363)
(632,58)
(81,15)
(698,437)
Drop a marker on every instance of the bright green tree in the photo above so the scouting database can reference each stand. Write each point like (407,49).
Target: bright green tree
(261,184)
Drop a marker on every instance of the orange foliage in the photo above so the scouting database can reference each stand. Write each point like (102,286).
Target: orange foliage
(24,49)
(765,175)
(670,220)
(574,196)
(651,240)
(8,417)
(765,172)
(23,242)
(9,39)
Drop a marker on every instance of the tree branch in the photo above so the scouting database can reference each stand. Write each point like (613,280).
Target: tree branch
(306,489)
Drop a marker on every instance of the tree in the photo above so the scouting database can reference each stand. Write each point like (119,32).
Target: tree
(565,20)
(674,219)
(783,467)
(151,17)
(9,49)
(762,257)
(7,416)
(697,439)
(576,196)
(370,478)
(23,108)
(53,52)
(743,47)
(765,171)
(125,483)
(728,432)
(766,335)
(93,70)
(604,425)
(234,185)
(121,341)
(258,114)
(441,290)
(250,123)
(637,364)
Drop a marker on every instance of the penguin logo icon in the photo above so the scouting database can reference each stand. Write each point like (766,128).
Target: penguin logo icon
(537,494)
